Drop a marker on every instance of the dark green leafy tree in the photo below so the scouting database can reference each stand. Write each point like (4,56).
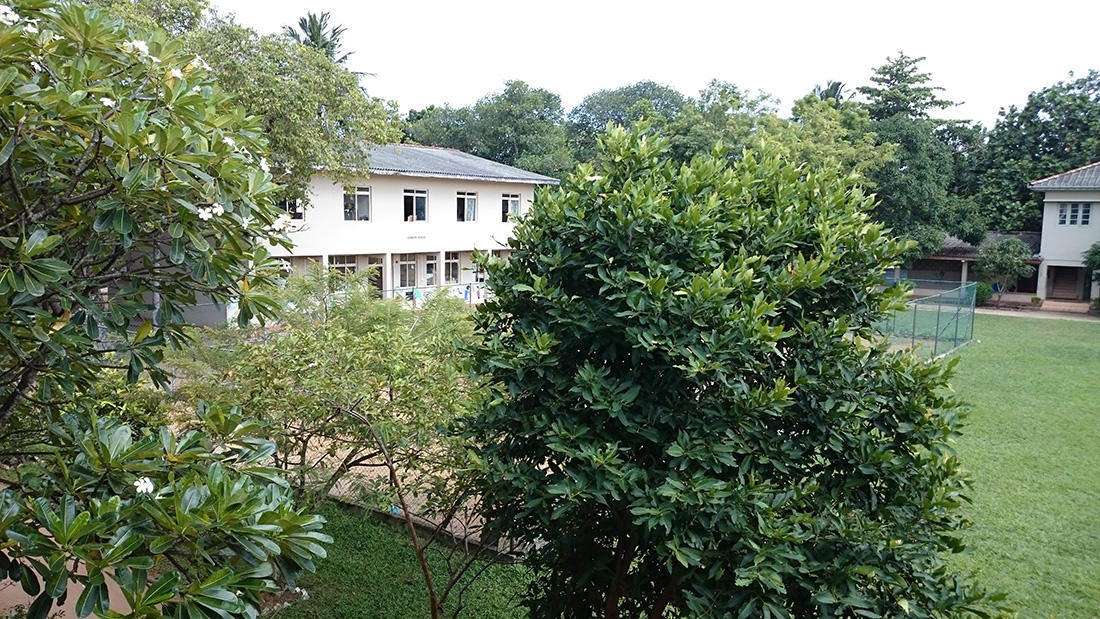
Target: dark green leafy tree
(912,189)
(312,111)
(963,215)
(1057,130)
(723,112)
(900,88)
(690,412)
(1092,260)
(314,31)
(521,126)
(918,193)
(620,106)
(1003,263)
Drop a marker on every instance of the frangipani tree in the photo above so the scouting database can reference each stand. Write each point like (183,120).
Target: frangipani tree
(130,187)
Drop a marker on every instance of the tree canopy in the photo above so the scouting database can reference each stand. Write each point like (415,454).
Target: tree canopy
(690,411)
(521,126)
(657,103)
(1003,263)
(902,89)
(313,112)
(1057,130)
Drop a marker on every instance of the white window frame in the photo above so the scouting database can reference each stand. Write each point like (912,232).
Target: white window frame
(410,199)
(509,206)
(1075,214)
(467,206)
(345,263)
(403,261)
(353,205)
(450,264)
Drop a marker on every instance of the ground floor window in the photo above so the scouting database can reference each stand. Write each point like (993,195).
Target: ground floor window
(429,270)
(406,270)
(344,264)
(450,267)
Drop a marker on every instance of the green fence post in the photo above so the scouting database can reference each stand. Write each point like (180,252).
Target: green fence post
(913,343)
(936,340)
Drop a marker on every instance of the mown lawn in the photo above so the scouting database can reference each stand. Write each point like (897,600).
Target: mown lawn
(371,572)
(1033,445)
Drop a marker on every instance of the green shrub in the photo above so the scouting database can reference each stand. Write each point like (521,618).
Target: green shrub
(691,412)
(983,293)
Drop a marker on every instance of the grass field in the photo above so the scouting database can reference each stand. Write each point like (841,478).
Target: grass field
(372,573)
(1033,445)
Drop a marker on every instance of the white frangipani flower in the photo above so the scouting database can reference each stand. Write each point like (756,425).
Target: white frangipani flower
(280,224)
(206,214)
(144,485)
(217,209)
(230,142)
(264,166)
(140,46)
(8,16)
(176,73)
(31,27)
(107,101)
(196,89)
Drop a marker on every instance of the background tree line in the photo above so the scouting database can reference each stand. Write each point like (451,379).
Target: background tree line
(933,176)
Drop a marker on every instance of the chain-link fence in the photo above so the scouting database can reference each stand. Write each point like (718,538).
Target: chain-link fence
(935,325)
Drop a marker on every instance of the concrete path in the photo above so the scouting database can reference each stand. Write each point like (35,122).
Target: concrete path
(1043,314)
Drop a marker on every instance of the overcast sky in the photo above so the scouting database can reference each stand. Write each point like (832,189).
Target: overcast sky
(985,54)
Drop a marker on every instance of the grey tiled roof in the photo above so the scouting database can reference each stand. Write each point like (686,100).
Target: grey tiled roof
(957,248)
(1087,177)
(434,162)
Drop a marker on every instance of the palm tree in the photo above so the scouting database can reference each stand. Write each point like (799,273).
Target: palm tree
(313,31)
(832,90)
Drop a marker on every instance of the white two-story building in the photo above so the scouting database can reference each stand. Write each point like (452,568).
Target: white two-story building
(1070,202)
(415,220)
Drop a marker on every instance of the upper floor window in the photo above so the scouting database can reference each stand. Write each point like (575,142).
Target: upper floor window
(292,207)
(509,206)
(1074,214)
(416,205)
(467,206)
(357,204)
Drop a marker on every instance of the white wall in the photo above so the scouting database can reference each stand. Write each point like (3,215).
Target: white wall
(1063,245)
(324,232)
